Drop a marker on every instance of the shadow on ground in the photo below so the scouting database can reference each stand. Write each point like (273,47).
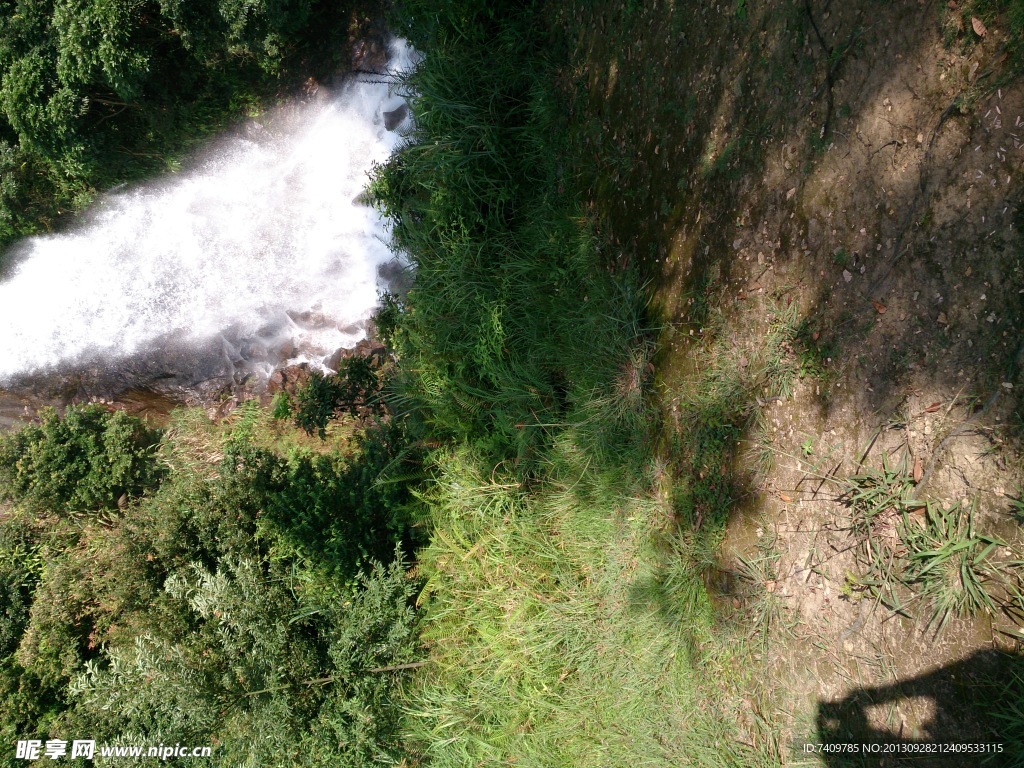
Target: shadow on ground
(868,726)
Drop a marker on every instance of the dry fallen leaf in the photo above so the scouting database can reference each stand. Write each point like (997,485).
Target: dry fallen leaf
(942,319)
(786,498)
(879,307)
(933,407)
(815,335)
(918,470)
(769,586)
(979,28)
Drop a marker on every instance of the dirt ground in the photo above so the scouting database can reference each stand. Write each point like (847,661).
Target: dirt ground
(857,165)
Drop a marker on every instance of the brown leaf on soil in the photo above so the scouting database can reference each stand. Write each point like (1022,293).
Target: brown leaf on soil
(918,470)
(786,498)
(979,28)
(880,308)
(769,586)
(815,335)
(932,408)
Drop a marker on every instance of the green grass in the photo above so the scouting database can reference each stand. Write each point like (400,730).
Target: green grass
(923,553)
(953,563)
(721,407)
(560,635)
(565,614)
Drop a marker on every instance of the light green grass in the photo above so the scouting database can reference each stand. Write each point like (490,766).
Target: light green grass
(560,636)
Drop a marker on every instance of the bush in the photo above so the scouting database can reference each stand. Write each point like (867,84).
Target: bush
(353,390)
(89,459)
(254,678)
(239,602)
(13,610)
(336,512)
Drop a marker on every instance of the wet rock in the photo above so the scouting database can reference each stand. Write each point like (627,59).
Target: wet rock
(353,328)
(396,275)
(369,55)
(288,379)
(311,320)
(395,117)
(337,357)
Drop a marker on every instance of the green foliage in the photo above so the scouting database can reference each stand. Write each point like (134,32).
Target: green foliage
(239,602)
(427,23)
(1006,709)
(86,460)
(557,632)
(281,407)
(354,390)
(952,562)
(388,316)
(337,512)
(251,673)
(514,325)
(316,403)
(525,364)
(95,92)
(259,30)
(13,610)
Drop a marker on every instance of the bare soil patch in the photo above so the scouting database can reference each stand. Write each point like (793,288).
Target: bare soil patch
(859,167)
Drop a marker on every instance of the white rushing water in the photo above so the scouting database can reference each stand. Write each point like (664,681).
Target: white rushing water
(257,254)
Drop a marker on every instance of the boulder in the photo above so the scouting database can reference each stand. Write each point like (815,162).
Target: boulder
(395,117)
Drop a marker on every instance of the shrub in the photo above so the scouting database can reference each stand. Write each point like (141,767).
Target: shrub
(253,676)
(353,390)
(336,512)
(13,610)
(86,460)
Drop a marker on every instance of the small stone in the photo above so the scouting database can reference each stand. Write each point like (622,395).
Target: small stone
(847,276)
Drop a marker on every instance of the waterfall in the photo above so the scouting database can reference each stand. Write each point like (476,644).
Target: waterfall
(260,253)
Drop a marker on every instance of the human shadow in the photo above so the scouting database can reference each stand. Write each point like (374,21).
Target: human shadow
(970,712)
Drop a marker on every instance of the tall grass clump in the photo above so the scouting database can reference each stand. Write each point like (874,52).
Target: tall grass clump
(514,326)
(545,644)
(560,629)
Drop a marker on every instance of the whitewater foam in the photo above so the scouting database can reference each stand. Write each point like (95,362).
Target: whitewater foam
(258,253)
